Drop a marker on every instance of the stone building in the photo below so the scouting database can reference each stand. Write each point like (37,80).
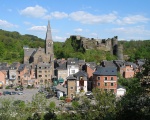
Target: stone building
(110,44)
(42,59)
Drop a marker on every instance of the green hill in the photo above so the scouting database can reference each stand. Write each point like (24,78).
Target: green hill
(11,45)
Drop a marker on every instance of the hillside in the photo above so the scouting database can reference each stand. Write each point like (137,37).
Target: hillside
(11,44)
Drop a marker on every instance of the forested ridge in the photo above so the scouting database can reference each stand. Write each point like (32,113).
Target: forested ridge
(11,45)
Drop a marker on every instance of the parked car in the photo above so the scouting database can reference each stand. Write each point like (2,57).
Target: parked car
(6,93)
(20,93)
(88,93)
(20,88)
(48,96)
(13,93)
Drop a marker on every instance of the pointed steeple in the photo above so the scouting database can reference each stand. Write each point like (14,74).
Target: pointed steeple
(48,33)
(48,41)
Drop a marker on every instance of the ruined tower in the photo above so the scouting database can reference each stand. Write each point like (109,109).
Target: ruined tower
(120,52)
(115,45)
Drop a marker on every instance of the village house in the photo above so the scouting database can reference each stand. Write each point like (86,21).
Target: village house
(13,76)
(105,78)
(77,83)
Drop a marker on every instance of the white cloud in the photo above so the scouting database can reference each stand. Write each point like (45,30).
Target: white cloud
(137,32)
(27,23)
(38,28)
(78,30)
(94,34)
(36,11)
(41,29)
(10,10)
(57,15)
(5,24)
(88,18)
(132,20)
(60,39)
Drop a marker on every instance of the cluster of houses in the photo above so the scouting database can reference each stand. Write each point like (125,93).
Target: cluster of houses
(40,69)
(81,76)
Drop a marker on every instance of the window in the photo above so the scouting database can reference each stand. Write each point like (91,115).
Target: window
(45,75)
(45,71)
(39,67)
(98,84)
(40,75)
(81,82)
(71,88)
(112,84)
(105,84)
(105,78)
(98,78)
(40,71)
(112,78)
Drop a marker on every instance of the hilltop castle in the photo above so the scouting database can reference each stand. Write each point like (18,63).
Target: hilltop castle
(110,44)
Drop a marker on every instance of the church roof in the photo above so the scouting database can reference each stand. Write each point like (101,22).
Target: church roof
(48,33)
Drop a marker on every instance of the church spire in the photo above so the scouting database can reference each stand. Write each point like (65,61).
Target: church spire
(48,41)
(48,33)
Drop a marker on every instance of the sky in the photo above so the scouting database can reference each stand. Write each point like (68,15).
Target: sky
(99,19)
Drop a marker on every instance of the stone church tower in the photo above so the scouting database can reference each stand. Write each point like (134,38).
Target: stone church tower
(42,59)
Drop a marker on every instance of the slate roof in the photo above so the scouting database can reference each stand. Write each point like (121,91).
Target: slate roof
(105,63)
(72,61)
(106,71)
(71,77)
(62,66)
(29,51)
(4,68)
(81,73)
(14,65)
(3,64)
(21,67)
(92,65)
(119,63)
(131,63)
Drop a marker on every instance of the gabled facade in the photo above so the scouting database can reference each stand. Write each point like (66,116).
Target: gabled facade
(71,86)
(81,81)
(72,65)
(13,68)
(130,70)
(105,78)
(77,83)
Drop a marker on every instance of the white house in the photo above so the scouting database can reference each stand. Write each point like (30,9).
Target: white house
(120,91)
(81,81)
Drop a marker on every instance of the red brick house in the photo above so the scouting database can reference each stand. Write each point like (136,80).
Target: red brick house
(130,70)
(105,78)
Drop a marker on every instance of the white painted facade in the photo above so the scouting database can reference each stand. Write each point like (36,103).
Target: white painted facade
(121,92)
(84,87)
(72,69)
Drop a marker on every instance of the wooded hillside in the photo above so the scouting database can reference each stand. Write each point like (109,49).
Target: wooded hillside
(11,45)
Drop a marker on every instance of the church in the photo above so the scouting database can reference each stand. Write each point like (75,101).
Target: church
(41,59)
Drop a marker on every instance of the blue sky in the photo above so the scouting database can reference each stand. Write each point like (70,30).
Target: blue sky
(102,19)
